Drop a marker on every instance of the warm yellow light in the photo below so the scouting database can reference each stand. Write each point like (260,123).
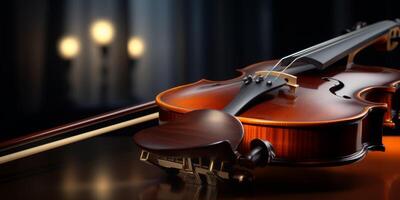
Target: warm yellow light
(135,47)
(69,47)
(102,32)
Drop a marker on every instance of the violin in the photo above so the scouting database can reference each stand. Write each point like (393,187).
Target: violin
(303,110)
(315,107)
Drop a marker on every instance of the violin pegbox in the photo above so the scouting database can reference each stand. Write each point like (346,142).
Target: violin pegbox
(291,80)
(393,39)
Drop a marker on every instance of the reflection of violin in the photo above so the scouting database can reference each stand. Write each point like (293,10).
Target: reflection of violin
(179,191)
(305,109)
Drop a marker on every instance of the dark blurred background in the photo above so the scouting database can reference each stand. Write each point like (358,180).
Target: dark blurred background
(183,41)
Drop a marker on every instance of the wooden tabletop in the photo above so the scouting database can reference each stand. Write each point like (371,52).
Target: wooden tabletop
(107,167)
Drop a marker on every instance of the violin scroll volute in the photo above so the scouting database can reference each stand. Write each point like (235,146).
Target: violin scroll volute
(387,42)
(393,38)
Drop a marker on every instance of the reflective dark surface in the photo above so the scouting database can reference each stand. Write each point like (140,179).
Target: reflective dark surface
(107,167)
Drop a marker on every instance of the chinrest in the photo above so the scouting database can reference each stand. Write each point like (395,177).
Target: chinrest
(201,133)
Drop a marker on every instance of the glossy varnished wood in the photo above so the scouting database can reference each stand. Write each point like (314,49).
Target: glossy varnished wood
(313,96)
(311,126)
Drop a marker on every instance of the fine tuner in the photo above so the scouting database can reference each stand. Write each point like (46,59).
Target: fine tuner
(259,76)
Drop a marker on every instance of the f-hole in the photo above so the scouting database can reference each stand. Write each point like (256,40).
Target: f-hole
(337,87)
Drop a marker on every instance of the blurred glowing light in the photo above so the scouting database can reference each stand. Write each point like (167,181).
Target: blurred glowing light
(102,32)
(69,47)
(135,47)
(102,186)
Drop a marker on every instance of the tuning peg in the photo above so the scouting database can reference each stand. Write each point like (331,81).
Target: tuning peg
(358,25)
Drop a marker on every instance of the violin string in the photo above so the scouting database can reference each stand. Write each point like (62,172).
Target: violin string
(299,52)
(277,64)
(319,48)
(316,47)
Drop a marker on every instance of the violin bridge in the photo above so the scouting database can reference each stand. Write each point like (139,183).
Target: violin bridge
(290,79)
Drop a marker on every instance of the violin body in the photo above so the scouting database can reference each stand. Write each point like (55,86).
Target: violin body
(332,118)
(305,109)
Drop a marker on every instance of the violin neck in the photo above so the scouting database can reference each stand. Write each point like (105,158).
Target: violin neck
(324,54)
